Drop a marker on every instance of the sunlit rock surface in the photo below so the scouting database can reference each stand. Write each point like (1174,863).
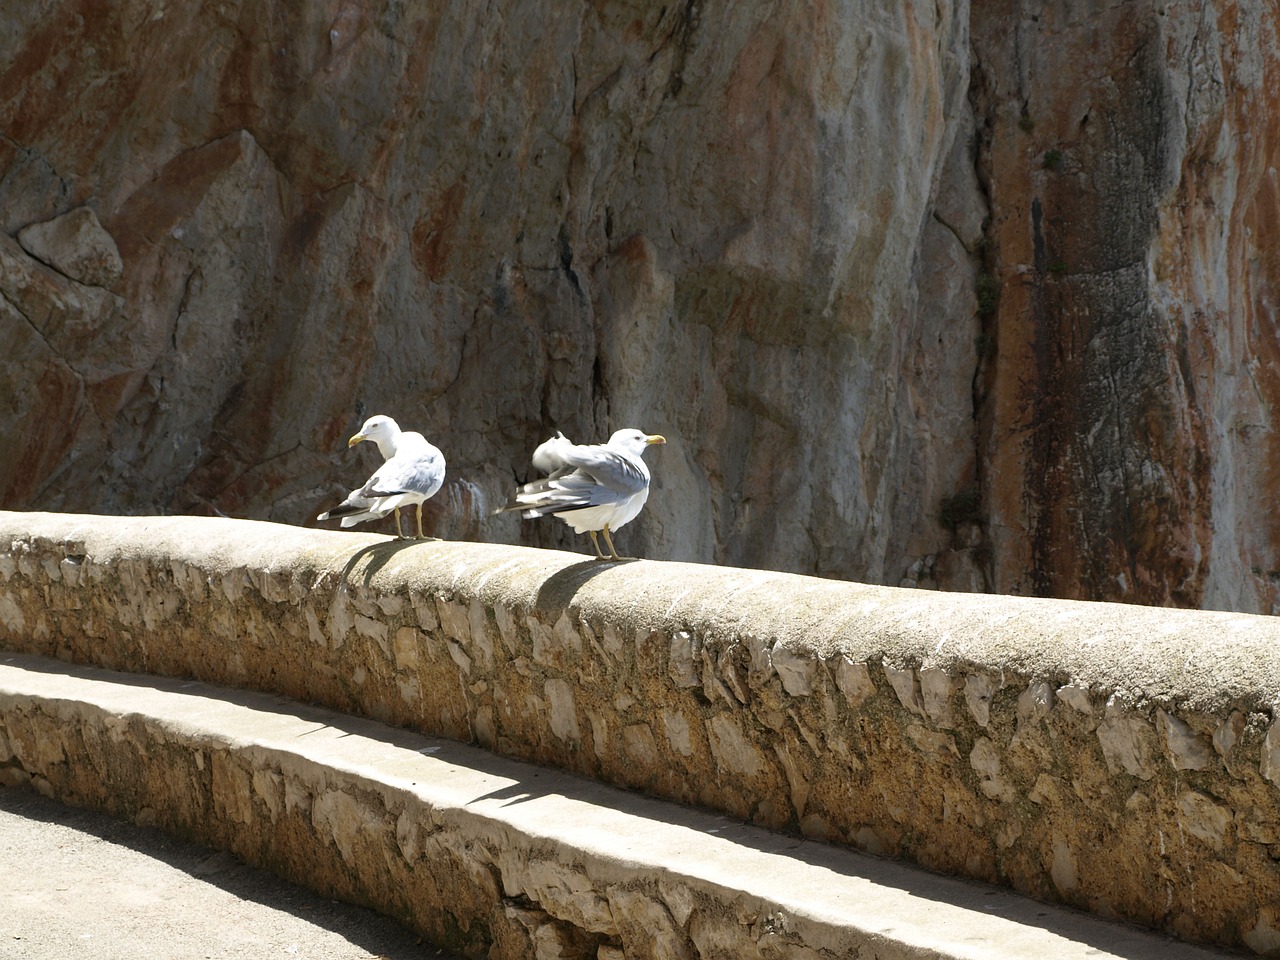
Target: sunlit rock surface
(977,299)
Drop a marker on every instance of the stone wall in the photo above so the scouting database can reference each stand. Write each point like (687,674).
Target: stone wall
(491,857)
(1121,759)
(197,776)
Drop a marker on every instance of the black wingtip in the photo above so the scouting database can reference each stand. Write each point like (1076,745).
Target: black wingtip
(342,510)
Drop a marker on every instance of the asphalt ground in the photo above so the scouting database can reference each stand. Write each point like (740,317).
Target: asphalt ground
(78,884)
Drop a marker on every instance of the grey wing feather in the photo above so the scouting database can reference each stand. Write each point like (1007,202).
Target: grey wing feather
(421,473)
(608,468)
(553,495)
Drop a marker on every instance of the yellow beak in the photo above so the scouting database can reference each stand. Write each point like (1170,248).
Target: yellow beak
(356,439)
(656,438)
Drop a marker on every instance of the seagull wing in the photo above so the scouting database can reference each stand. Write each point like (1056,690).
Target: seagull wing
(592,476)
(618,472)
(416,468)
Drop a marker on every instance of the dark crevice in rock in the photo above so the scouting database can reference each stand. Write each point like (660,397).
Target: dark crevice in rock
(681,38)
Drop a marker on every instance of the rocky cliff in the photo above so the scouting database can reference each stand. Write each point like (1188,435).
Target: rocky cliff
(972,298)
(1126,401)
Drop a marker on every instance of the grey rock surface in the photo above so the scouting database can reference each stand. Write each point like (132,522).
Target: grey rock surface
(75,244)
(490,223)
(970,296)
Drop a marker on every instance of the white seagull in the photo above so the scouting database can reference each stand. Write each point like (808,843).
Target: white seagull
(412,473)
(599,486)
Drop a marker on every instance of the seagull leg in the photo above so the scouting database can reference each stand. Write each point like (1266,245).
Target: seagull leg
(596,543)
(420,534)
(609,540)
(399,535)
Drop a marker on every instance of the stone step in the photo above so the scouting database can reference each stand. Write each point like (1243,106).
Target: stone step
(1119,759)
(493,857)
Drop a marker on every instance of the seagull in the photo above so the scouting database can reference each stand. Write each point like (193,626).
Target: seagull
(591,487)
(412,473)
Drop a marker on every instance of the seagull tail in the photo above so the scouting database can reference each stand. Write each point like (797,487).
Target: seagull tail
(342,510)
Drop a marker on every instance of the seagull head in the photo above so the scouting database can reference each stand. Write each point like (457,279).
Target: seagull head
(379,429)
(634,441)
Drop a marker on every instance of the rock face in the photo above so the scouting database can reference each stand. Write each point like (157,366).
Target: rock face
(75,245)
(1127,400)
(951,297)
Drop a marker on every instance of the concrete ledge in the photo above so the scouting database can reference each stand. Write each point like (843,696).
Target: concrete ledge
(493,857)
(1120,759)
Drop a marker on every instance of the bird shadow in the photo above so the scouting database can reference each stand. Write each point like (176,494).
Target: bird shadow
(558,590)
(377,555)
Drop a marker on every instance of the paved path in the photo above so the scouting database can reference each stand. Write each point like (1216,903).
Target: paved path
(77,884)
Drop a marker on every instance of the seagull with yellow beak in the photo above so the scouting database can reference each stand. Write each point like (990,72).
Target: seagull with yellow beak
(591,487)
(412,474)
